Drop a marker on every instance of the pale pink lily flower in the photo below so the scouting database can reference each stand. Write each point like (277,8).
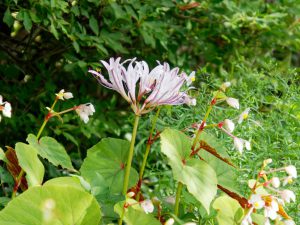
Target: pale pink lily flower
(147,206)
(233,102)
(84,111)
(160,86)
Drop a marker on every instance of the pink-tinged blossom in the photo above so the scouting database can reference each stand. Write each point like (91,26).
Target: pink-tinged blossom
(229,125)
(145,89)
(5,107)
(170,221)
(275,181)
(271,211)
(147,206)
(240,143)
(233,102)
(287,196)
(291,171)
(256,201)
(84,111)
(62,95)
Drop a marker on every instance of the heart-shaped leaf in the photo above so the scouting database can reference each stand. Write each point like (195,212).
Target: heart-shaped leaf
(197,175)
(50,149)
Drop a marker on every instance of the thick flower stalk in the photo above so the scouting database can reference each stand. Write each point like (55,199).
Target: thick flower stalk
(143,88)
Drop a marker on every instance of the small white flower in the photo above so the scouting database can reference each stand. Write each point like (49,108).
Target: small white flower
(257,201)
(7,110)
(275,181)
(289,222)
(5,107)
(238,144)
(291,171)
(287,180)
(190,223)
(287,196)
(271,211)
(229,125)
(247,145)
(170,221)
(190,79)
(267,221)
(62,95)
(243,115)
(84,111)
(147,206)
(233,102)
(247,220)
(267,161)
(225,85)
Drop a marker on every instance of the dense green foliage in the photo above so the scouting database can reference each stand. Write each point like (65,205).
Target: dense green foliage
(49,45)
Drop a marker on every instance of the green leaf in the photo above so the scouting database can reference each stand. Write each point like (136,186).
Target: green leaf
(2,156)
(197,175)
(107,159)
(76,46)
(226,174)
(8,19)
(27,21)
(229,211)
(94,25)
(50,149)
(134,214)
(30,163)
(52,204)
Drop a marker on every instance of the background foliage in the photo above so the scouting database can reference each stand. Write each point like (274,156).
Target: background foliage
(49,45)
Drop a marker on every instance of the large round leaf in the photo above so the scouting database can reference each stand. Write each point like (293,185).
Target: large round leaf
(107,159)
(50,149)
(197,175)
(52,204)
(30,163)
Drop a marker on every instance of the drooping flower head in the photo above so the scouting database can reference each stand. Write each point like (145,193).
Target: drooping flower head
(143,88)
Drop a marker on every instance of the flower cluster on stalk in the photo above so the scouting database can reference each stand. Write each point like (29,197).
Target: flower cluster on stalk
(143,88)
(5,107)
(268,196)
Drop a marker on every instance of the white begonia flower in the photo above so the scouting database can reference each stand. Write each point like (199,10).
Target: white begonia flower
(239,144)
(256,201)
(271,211)
(288,195)
(267,161)
(225,85)
(247,220)
(62,95)
(244,115)
(291,171)
(190,79)
(147,206)
(7,110)
(289,222)
(84,111)
(190,223)
(287,180)
(267,221)
(170,221)
(5,107)
(233,102)
(275,181)
(160,86)
(229,125)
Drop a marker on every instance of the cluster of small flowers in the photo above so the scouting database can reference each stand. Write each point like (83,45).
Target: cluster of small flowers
(5,107)
(83,110)
(271,203)
(228,125)
(160,86)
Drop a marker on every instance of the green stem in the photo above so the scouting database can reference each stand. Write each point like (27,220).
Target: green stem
(177,200)
(148,147)
(130,155)
(46,119)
